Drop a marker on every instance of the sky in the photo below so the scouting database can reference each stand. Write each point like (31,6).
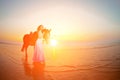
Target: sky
(80,20)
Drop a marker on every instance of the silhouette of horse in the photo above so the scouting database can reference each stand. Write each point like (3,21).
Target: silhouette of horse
(30,39)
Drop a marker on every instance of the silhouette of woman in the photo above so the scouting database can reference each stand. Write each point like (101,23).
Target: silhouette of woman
(38,55)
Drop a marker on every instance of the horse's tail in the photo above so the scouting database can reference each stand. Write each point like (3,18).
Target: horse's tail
(25,42)
(22,49)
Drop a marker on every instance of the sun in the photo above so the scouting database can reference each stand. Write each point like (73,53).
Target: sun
(53,42)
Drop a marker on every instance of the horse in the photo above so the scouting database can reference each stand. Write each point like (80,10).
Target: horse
(30,39)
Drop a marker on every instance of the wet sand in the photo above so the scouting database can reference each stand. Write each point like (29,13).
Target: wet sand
(61,64)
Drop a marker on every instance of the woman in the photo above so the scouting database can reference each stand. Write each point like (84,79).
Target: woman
(38,55)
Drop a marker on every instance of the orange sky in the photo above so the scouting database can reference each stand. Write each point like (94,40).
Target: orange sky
(73,20)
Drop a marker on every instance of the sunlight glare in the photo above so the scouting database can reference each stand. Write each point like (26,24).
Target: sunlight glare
(53,42)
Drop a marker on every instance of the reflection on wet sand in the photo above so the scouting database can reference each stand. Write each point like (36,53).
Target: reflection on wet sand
(36,71)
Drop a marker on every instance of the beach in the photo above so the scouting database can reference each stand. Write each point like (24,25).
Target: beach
(81,39)
(62,63)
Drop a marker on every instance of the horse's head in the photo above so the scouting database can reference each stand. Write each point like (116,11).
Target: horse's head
(46,35)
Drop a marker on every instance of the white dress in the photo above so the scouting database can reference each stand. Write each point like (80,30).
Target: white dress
(38,55)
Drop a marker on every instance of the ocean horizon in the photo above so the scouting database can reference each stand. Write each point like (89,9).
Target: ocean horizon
(73,44)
